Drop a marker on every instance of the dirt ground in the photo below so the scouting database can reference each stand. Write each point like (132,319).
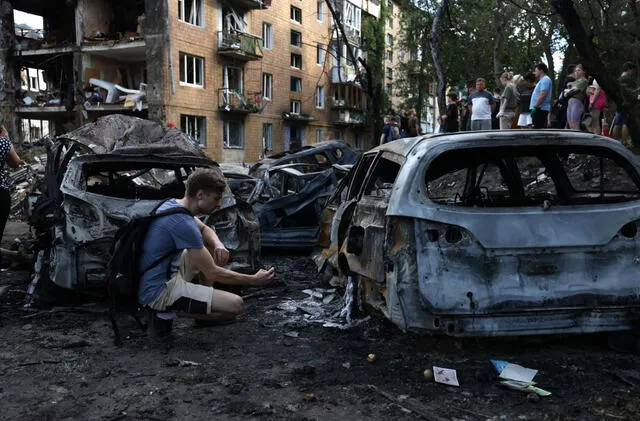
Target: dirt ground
(278,362)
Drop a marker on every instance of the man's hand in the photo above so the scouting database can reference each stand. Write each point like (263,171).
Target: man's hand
(220,256)
(533,110)
(263,277)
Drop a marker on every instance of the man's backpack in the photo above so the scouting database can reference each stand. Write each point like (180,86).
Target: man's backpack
(122,270)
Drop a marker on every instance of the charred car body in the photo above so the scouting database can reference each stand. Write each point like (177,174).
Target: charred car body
(324,154)
(103,174)
(288,200)
(491,233)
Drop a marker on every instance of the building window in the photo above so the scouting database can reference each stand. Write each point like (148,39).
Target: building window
(390,55)
(296,61)
(195,127)
(191,70)
(389,73)
(321,51)
(267,35)
(389,39)
(296,14)
(319,135)
(294,107)
(267,136)
(233,136)
(320,11)
(296,38)
(389,89)
(191,11)
(296,84)
(33,130)
(402,55)
(390,21)
(320,97)
(267,86)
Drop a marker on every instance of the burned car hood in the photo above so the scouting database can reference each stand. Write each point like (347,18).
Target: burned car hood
(116,131)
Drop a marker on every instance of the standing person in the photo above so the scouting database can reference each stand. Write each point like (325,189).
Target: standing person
(8,157)
(525,89)
(597,102)
(559,108)
(412,123)
(404,124)
(509,99)
(541,97)
(481,104)
(497,97)
(450,118)
(184,246)
(620,130)
(390,131)
(576,92)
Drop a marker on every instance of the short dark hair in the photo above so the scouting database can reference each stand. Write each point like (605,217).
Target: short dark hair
(480,79)
(628,66)
(530,77)
(571,68)
(211,180)
(543,67)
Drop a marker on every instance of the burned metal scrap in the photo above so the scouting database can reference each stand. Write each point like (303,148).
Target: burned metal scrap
(103,174)
(491,233)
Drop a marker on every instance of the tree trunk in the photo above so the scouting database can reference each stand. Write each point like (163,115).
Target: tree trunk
(625,100)
(8,86)
(435,55)
(498,46)
(546,37)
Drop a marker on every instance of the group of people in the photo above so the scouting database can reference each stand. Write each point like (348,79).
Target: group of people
(525,101)
(396,128)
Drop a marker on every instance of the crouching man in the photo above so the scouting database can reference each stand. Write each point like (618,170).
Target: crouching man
(190,247)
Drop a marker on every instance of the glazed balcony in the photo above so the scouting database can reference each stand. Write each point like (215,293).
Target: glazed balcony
(239,45)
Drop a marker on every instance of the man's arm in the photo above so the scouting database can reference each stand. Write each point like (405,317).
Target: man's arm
(213,244)
(543,95)
(203,262)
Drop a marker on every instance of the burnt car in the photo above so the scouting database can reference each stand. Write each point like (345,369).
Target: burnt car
(491,233)
(324,154)
(103,174)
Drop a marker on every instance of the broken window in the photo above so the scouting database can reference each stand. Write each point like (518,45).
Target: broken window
(382,178)
(191,11)
(358,177)
(267,136)
(296,61)
(296,38)
(33,130)
(191,70)
(233,134)
(294,107)
(320,97)
(134,181)
(267,86)
(531,176)
(195,127)
(296,84)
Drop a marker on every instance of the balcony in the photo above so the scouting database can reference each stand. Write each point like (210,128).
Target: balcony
(232,101)
(239,45)
(343,74)
(350,118)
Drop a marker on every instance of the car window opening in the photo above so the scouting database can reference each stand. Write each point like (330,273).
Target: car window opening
(531,176)
(380,183)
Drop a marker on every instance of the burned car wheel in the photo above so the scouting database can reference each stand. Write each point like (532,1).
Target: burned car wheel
(44,291)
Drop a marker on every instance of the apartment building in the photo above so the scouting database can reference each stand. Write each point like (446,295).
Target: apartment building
(242,77)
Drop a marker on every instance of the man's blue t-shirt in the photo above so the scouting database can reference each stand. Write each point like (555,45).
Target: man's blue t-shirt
(543,85)
(172,232)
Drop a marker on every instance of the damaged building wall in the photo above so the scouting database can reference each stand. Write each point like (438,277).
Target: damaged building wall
(8,82)
(94,17)
(190,100)
(157,39)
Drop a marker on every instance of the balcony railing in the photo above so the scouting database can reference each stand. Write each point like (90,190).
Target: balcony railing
(239,45)
(231,100)
(343,74)
(351,118)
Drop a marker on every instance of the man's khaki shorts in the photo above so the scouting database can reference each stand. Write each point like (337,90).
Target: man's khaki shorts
(183,296)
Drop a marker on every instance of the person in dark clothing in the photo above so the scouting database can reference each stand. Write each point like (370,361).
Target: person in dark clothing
(559,109)
(8,157)
(450,118)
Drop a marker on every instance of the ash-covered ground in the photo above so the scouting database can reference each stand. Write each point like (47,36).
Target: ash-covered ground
(280,362)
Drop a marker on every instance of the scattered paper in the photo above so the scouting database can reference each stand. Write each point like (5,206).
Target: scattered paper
(446,376)
(518,373)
